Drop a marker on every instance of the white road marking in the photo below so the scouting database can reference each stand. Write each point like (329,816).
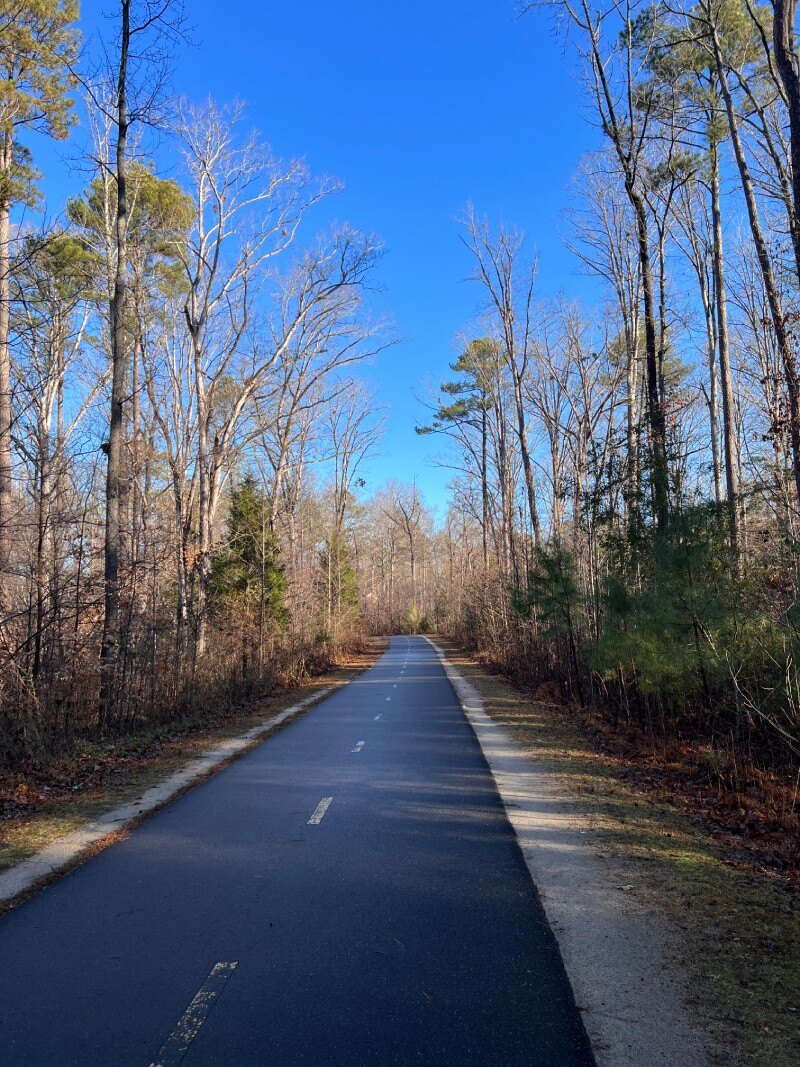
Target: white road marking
(359,746)
(177,1044)
(388,698)
(394,686)
(377,717)
(319,811)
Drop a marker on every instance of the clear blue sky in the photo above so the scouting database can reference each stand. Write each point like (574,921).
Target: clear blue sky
(419,108)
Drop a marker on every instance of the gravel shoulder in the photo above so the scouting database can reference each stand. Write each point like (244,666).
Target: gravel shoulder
(675,956)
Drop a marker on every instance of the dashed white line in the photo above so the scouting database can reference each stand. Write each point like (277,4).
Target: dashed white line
(319,811)
(177,1044)
(359,746)
(377,717)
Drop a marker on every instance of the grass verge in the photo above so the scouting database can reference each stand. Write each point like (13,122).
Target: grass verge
(40,804)
(737,927)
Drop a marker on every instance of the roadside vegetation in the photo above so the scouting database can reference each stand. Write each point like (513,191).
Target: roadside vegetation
(733,920)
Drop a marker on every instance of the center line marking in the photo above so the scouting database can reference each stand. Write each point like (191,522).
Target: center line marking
(359,746)
(319,811)
(177,1044)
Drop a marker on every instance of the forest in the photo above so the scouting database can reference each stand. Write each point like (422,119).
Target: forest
(186,407)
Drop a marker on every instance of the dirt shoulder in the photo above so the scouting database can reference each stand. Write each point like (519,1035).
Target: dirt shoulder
(732,931)
(39,805)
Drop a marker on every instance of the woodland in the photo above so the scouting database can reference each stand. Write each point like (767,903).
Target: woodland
(186,410)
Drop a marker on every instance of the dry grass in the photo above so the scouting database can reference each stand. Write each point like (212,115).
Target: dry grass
(738,927)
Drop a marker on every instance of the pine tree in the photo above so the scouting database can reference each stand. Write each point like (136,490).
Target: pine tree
(337,585)
(248,584)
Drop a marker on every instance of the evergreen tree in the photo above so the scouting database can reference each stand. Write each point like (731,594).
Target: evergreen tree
(553,594)
(337,586)
(248,583)
(159,217)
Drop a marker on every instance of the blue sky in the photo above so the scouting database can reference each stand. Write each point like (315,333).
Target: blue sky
(419,108)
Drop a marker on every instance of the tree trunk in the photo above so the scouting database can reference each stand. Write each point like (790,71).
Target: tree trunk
(182,580)
(712,396)
(109,652)
(655,409)
(203,567)
(5,384)
(41,535)
(721,307)
(632,430)
(783,21)
(484,491)
(765,264)
(525,456)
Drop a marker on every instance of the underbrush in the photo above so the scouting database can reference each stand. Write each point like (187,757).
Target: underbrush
(62,719)
(753,806)
(668,634)
(45,797)
(716,865)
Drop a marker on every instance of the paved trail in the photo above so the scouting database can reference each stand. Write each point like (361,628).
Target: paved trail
(348,893)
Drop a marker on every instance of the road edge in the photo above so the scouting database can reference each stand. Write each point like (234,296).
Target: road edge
(30,875)
(630,994)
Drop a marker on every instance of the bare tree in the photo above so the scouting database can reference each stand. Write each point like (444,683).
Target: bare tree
(603,229)
(612,52)
(511,301)
(247,208)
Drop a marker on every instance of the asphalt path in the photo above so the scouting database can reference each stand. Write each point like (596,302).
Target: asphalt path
(350,892)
